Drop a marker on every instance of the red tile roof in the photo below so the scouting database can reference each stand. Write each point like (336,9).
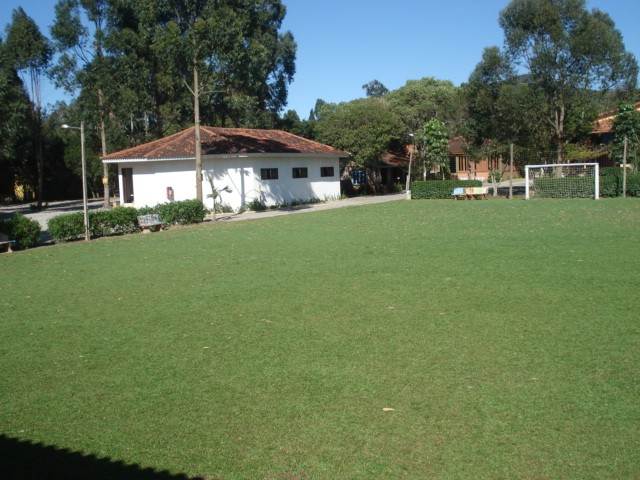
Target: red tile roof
(224,141)
(457,146)
(604,123)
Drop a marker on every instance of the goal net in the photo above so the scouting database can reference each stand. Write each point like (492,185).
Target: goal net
(562,180)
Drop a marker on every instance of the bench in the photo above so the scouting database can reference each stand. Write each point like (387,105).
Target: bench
(470,193)
(150,223)
(7,244)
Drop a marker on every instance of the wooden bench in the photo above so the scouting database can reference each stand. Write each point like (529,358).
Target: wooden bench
(470,193)
(7,244)
(150,223)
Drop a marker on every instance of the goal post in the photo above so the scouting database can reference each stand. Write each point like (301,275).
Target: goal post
(562,180)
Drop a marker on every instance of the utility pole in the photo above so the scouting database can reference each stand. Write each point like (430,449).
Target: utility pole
(511,171)
(624,169)
(408,183)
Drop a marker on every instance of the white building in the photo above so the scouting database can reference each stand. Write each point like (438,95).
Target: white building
(273,166)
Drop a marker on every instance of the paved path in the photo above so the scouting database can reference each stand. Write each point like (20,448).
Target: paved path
(53,210)
(348,202)
(58,208)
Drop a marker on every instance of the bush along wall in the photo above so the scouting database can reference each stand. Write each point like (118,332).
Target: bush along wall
(116,221)
(430,189)
(69,226)
(611,182)
(633,185)
(121,220)
(25,231)
(185,212)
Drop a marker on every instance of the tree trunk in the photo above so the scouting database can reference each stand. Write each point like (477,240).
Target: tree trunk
(39,158)
(559,126)
(103,141)
(196,114)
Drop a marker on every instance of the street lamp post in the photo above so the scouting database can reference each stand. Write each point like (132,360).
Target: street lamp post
(85,205)
(408,183)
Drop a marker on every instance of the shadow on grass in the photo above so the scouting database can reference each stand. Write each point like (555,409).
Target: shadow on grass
(23,460)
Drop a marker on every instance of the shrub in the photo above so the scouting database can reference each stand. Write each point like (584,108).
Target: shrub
(633,185)
(439,188)
(223,208)
(256,205)
(66,227)
(146,210)
(117,221)
(612,180)
(25,231)
(610,187)
(297,202)
(184,212)
(611,172)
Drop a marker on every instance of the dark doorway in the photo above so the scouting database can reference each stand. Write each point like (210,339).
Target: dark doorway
(127,185)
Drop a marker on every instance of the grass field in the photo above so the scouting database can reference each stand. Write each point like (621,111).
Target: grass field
(504,335)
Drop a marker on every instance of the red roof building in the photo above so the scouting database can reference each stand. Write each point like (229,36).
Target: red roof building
(270,166)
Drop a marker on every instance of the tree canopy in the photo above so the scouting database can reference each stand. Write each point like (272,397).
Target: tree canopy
(366,128)
(627,125)
(434,144)
(568,53)
(30,51)
(419,101)
(375,89)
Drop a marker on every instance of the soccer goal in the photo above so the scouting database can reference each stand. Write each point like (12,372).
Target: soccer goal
(562,180)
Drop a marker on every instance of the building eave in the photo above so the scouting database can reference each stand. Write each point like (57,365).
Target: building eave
(257,156)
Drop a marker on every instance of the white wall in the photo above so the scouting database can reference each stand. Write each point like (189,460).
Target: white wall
(240,174)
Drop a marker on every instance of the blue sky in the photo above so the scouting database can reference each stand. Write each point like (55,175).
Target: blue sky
(343,44)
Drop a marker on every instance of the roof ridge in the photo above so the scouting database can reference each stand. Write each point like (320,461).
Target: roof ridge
(226,140)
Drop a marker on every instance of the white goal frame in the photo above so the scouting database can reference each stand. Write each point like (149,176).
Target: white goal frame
(596,175)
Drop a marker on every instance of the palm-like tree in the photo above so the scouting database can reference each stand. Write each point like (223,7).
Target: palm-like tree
(216,192)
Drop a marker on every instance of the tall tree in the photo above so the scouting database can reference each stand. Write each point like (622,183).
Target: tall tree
(15,128)
(434,147)
(503,107)
(30,52)
(627,125)
(568,51)
(227,54)
(418,101)
(365,127)
(375,89)
(82,62)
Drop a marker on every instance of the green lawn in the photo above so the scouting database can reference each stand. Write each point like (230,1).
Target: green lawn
(505,336)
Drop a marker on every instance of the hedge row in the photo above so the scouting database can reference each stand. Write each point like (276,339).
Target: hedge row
(611,183)
(25,231)
(439,188)
(186,212)
(121,220)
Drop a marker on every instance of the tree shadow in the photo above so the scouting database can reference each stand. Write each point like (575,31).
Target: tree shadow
(24,460)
